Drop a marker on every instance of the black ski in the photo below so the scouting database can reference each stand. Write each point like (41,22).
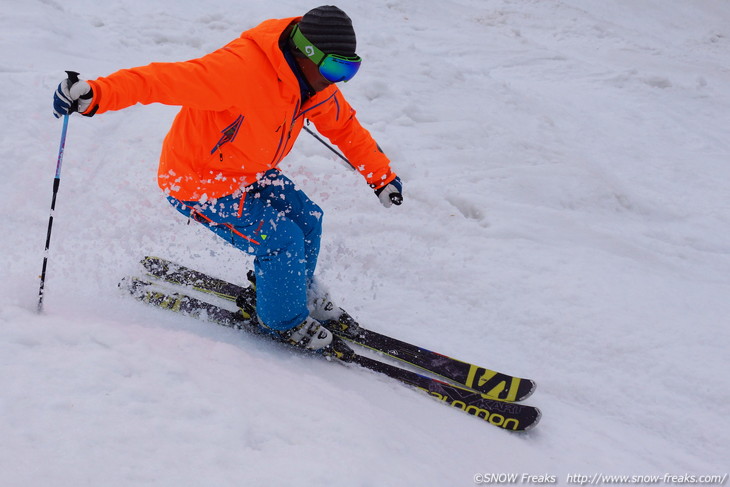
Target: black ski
(490,382)
(506,415)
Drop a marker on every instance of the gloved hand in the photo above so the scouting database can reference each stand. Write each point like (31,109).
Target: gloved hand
(72,95)
(391,193)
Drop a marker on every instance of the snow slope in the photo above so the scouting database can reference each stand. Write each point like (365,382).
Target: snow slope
(567,218)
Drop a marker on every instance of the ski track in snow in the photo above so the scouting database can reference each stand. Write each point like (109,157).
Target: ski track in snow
(566,218)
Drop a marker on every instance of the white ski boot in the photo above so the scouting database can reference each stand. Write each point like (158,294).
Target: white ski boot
(323,309)
(309,334)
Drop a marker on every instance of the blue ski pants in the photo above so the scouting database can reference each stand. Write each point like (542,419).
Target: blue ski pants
(281,227)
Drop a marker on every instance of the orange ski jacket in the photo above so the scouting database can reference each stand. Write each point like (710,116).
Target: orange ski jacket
(241,113)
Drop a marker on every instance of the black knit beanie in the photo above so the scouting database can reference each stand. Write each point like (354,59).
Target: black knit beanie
(330,29)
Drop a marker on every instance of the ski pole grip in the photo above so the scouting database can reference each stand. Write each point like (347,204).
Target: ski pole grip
(73,78)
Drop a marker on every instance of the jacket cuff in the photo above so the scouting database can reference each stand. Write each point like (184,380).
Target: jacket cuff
(96,96)
(383,181)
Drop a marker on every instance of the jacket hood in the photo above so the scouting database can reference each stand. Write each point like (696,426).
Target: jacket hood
(266,36)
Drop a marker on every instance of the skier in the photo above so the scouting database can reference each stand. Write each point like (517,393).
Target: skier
(243,107)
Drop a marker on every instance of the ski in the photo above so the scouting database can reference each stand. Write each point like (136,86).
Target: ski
(504,414)
(481,379)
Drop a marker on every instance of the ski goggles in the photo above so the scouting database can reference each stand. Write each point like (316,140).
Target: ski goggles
(333,67)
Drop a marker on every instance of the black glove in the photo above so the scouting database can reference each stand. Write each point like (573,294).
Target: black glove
(72,95)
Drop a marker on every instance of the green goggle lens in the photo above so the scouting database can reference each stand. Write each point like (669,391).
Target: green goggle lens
(333,67)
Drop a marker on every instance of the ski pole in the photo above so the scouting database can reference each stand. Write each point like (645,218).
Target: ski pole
(73,78)
(328,146)
(395,198)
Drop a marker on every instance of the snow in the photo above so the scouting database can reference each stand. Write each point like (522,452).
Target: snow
(566,218)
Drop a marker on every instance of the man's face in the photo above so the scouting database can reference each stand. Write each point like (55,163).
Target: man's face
(311,72)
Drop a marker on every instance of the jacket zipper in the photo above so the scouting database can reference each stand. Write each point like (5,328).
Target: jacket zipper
(282,146)
(284,142)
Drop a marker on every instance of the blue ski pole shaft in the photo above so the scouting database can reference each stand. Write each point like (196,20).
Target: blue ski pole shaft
(56,183)
(397,199)
(329,146)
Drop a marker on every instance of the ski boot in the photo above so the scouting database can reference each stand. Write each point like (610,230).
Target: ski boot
(330,315)
(309,334)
